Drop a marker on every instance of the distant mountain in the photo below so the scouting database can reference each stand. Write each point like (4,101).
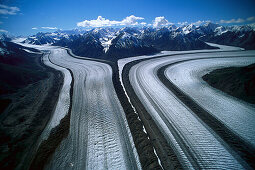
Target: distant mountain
(15,66)
(11,53)
(45,38)
(50,38)
(3,46)
(83,45)
(113,43)
(127,43)
(241,36)
(173,38)
(4,37)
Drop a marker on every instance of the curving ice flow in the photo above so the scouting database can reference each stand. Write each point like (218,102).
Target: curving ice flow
(99,135)
(237,115)
(225,47)
(63,102)
(124,61)
(195,144)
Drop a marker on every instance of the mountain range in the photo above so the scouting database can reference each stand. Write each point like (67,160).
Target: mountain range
(116,43)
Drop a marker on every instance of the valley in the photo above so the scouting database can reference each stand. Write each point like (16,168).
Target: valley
(128,98)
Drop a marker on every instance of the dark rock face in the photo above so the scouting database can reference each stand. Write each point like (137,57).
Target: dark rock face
(41,38)
(128,42)
(28,93)
(83,45)
(126,45)
(235,81)
(241,39)
(165,39)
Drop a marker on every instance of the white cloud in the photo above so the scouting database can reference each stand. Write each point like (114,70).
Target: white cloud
(99,22)
(102,22)
(199,22)
(34,28)
(143,23)
(6,10)
(1,22)
(50,28)
(232,21)
(160,21)
(182,23)
(3,31)
(238,21)
(131,20)
(251,18)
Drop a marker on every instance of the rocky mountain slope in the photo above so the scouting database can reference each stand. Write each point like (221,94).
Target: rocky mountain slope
(116,43)
(28,92)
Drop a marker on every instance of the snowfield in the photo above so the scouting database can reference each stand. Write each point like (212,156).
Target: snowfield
(236,114)
(124,61)
(63,103)
(196,145)
(99,136)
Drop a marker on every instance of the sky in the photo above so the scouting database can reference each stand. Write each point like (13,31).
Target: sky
(27,17)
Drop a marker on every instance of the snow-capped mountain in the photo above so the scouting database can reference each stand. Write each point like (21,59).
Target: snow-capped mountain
(83,45)
(45,38)
(104,35)
(174,38)
(240,36)
(127,44)
(207,28)
(4,37)
(189,28)
(3,50)
(117,43)
(52,37)
(3,46)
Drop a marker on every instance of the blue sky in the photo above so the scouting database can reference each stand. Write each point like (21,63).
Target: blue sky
(18,17)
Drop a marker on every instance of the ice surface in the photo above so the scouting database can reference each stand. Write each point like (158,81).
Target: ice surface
(99,136)
(196,145)
(237,115)
(63,102)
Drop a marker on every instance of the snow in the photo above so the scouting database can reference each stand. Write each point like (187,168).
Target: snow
(237,115)
(220,30)
(63,102)
(123,62)
(107,43)
(56,38)
(19,40)
(189,28)
(225,47)
(29,51)
(3,51)
(99,136)
(169,113)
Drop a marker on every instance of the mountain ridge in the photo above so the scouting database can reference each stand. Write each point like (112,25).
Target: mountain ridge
(116,43)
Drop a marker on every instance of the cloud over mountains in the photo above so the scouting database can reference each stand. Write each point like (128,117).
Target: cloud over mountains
(160,21)
(238,21)
(102,22)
